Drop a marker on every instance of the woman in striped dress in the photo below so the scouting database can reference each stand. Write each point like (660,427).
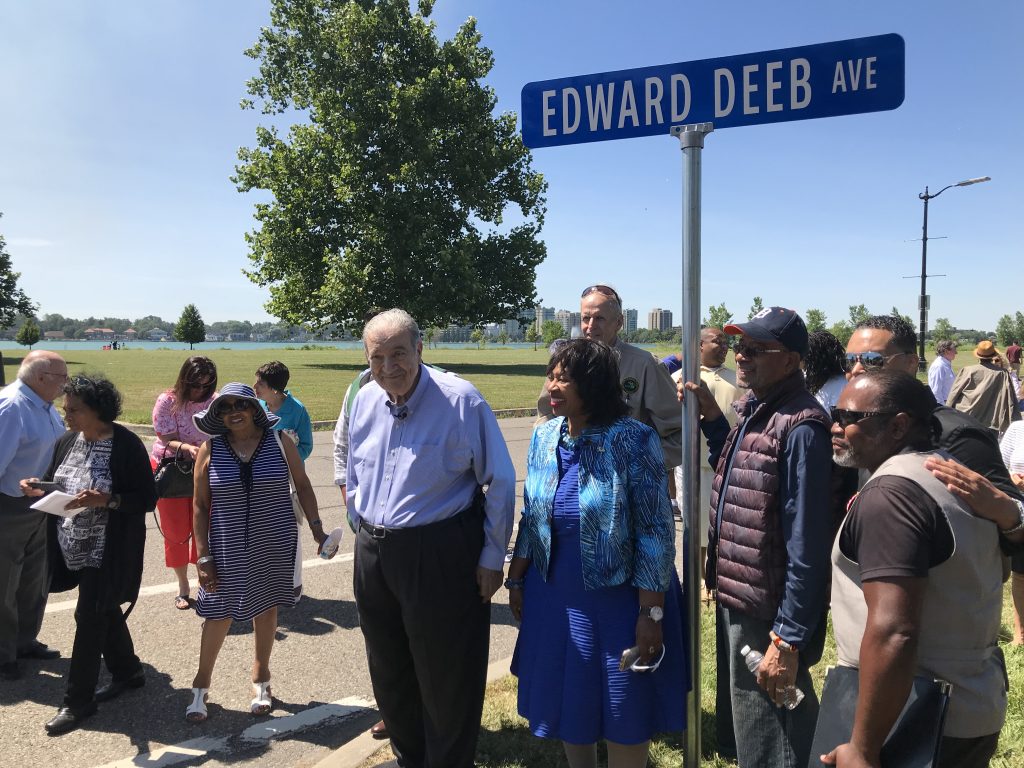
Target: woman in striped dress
(245,533)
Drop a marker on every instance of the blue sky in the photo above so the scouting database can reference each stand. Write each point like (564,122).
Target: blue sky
(121,124)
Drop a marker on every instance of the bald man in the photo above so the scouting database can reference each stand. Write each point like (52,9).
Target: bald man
(29,428)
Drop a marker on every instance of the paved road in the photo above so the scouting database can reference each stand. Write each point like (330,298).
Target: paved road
(321,686)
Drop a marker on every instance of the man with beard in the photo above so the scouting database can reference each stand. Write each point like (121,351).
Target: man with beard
(905,600)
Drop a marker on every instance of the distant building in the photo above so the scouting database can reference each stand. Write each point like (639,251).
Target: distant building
(659,319)
(568,320)
(158,334)
(56,335)
(213,337)
(131,334)
(99,334)
(630,321)
(541,316)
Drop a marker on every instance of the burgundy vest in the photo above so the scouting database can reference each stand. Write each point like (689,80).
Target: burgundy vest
(747,562)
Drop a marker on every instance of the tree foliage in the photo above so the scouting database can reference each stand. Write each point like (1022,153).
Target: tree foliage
(943,329)
(756,307)
(395,191)
(815,320)
(718,317)
(28,334)
(190,327)
(532,336)
(551,330)
(858,313)
(13,301)
(1009,329)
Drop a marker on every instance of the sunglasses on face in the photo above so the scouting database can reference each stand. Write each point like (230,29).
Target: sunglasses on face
(868,360)
(845,418)
(237,405)
(604,290)
(750,352)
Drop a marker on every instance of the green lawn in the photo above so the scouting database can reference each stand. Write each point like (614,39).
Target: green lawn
(508,378)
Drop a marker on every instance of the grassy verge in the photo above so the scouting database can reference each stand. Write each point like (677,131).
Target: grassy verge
(506,742)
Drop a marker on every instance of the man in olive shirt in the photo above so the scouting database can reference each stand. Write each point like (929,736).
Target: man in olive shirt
(648,388)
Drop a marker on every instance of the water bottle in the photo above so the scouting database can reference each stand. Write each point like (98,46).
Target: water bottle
(332,543)
(792,696)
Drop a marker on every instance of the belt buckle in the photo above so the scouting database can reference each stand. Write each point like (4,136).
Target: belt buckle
(378,531)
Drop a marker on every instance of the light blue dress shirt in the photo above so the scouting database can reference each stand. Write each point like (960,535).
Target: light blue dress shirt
(29,428)
(421,462)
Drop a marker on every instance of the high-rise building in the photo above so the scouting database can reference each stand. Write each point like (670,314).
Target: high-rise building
(569,321)
(542,315)
(630,325)
(659,319)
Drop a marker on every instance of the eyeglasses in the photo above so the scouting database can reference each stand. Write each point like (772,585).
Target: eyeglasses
(237,405)
(869,360)
(845,418)
(750,352)
(604,290)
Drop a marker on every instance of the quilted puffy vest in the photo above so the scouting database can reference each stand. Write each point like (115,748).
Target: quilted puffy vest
(747,562)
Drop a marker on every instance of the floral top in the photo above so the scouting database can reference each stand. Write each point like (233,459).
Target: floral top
(83,537)
(627,534)
(167,421)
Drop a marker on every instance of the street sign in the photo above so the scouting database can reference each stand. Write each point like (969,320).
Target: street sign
(840,78)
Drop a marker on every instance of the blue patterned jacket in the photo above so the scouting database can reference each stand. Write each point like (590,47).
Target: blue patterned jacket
(626,529)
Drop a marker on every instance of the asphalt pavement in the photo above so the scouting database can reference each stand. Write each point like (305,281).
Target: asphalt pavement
(322,695)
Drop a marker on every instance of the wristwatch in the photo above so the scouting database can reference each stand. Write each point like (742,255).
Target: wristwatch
(653,612)
(1020,519)
(114,502)
(781,644)
(511,583)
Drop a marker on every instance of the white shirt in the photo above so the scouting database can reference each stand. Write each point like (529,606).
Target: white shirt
(940,378)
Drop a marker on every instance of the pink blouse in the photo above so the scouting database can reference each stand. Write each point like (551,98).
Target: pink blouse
(167,421)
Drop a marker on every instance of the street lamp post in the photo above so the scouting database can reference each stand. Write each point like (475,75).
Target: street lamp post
(922,365)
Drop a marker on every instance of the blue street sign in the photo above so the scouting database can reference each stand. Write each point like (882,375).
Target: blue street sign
(841,78)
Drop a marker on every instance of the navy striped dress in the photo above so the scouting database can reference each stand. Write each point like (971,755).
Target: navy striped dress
(252,533)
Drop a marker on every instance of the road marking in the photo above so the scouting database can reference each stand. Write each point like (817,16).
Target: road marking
(171,587)
(264,732)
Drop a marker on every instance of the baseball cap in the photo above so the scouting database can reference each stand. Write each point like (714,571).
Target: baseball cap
(774,324)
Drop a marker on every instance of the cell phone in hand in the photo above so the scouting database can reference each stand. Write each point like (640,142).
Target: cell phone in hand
(46,486)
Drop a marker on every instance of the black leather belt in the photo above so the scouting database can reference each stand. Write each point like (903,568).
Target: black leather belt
(375,531)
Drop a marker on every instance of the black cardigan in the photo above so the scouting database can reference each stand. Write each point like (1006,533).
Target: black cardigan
(131,476)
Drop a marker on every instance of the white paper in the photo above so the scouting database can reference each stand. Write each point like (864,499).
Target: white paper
(54,502)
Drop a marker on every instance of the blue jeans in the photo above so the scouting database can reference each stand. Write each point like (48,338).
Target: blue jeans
(766,736)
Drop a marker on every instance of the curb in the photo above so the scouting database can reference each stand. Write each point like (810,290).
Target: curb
(359,749)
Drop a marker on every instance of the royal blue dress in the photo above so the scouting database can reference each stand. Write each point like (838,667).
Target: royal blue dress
(571,639)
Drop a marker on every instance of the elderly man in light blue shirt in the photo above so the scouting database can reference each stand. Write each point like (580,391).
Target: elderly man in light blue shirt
(29,428)
(940,372)
(430,547)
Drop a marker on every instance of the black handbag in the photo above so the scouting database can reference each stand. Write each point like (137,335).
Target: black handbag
(173,477)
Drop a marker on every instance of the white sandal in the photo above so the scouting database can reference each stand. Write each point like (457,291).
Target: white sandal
(196,711)
(263,702)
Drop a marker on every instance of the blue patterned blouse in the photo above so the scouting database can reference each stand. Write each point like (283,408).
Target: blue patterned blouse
(626,529)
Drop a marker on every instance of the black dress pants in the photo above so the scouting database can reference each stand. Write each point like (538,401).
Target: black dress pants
(427,636)
(98,631)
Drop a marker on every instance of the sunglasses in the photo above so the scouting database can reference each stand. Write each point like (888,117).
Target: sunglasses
(845,418)
(604,290)
(237,405)
(869,360)
(750,352)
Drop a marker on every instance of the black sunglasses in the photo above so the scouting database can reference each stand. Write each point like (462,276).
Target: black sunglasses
(845,418)
(869,360)
(604,290)
(750,352)
(238,405)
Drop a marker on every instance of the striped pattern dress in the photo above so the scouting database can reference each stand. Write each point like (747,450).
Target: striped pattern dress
(252,533)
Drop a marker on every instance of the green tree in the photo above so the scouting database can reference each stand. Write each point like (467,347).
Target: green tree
(532,337)
(28,334)
(478,337)
(190,328)
(756,307)
(943,329)
(13,301)
(896,313)
(718,317)
(858,313)
(1006,330)
(429,334)
(815,320)
(842,331)
(395,191)
(503,336)
(551,330)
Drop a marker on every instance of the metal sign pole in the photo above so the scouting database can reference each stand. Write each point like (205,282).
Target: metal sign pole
(691,141)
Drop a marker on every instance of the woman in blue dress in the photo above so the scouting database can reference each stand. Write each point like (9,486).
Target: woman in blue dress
(592,574)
